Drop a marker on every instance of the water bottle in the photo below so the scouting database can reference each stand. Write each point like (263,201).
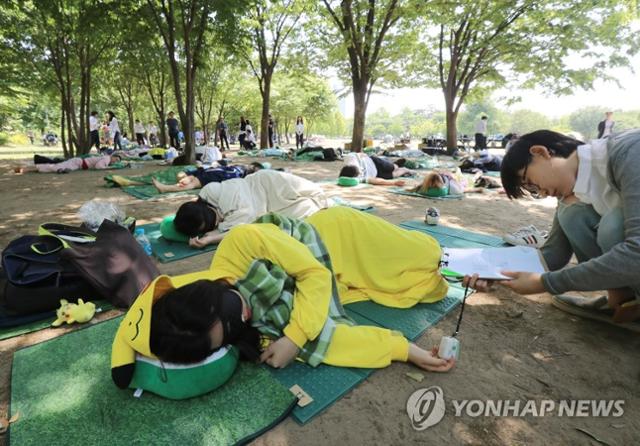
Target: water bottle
(142,239)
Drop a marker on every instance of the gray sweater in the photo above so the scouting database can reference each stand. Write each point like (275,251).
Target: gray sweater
(619,267)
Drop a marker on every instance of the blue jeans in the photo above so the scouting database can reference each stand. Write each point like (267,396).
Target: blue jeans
(588,233)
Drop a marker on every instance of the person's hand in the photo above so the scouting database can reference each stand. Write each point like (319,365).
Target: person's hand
(477,284)
(429,360)
(399,183)
(280,353)
(523,283)
(199,242)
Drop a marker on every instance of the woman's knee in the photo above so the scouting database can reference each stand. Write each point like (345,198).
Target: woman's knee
(610,230)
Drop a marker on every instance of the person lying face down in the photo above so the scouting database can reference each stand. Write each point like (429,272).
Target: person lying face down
(199,178)
(89,163)
(221,206)
(335,257)
(374,170)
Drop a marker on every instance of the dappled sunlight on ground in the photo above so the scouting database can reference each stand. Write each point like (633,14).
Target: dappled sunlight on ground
(512,347)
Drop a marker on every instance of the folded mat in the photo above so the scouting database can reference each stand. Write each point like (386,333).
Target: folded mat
(402,191)
(29,323)
(167,251)
(147,191)
(67,397)
(326,384)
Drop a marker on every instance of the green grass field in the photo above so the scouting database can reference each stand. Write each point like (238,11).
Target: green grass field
(21,152)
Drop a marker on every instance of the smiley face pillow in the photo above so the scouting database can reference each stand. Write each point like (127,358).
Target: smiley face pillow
(134,366)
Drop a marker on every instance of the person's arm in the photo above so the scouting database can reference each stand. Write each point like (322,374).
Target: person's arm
(382,182)
(210,238)
(247,243)
(619,266)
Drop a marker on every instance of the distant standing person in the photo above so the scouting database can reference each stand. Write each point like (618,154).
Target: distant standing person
(605,128)
(30,136)
(114,130)
(481,133)
(94,135)
(174,129)
(223,129)
(242,135)
(152,132)
(250,140)
(271,128)
(138,129)
(299,132)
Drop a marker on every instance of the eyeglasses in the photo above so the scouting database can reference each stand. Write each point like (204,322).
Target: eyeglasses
(533,189)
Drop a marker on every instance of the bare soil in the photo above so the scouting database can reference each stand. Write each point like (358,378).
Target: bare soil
(513,347)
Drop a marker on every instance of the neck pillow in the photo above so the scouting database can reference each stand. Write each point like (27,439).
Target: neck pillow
(169,232)
(181,381)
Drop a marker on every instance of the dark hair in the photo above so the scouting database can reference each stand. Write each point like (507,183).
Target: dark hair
(94,113)
(350,171)
(253,168)
(182,319)
(180,160)
(400,162)
(194,218)
(518,156)
(299,120)
(111,115)
(484,117)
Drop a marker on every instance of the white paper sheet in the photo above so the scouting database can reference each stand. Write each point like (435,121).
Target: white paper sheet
(488,262)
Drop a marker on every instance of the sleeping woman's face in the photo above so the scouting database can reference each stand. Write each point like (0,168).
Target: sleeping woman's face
(229,326)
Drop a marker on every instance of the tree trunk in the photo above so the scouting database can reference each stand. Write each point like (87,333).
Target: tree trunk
(359,110)
(451,119)
(65,150)
(264,121)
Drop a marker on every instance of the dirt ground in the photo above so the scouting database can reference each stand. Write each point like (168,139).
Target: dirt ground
(513,347)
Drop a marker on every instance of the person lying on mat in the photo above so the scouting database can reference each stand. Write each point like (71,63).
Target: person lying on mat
(276,290)
(442,183)
(597,219)
(221,206)
(199,178)
(374,170)
(92,162)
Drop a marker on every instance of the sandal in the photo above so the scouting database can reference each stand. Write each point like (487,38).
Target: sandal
(591,308)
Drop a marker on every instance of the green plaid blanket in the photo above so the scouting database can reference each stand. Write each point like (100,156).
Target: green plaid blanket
(270,291)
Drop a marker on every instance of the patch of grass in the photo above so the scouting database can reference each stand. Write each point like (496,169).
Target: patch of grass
(26,151)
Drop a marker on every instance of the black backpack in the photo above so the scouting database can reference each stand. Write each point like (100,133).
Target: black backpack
(34,277)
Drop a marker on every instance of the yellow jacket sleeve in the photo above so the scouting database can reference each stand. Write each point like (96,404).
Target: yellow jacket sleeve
(247,243)
(365,346)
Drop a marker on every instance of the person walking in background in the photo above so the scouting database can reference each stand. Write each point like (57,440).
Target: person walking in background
(223,129)
(299,132)
(138,129)
(481,133)
(174,129)
(605,128)
(271,129)
(30,136)
(114,130)
(94,136)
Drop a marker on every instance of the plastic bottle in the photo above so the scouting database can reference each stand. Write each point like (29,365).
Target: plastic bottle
(142,239)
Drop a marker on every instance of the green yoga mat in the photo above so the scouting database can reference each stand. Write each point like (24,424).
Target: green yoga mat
(11,332)
(401,191)
(365,207)
(326,384)
(67,396)
(148,191)
(167,251)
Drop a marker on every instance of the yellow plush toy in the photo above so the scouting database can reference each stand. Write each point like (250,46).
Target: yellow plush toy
(81,312)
